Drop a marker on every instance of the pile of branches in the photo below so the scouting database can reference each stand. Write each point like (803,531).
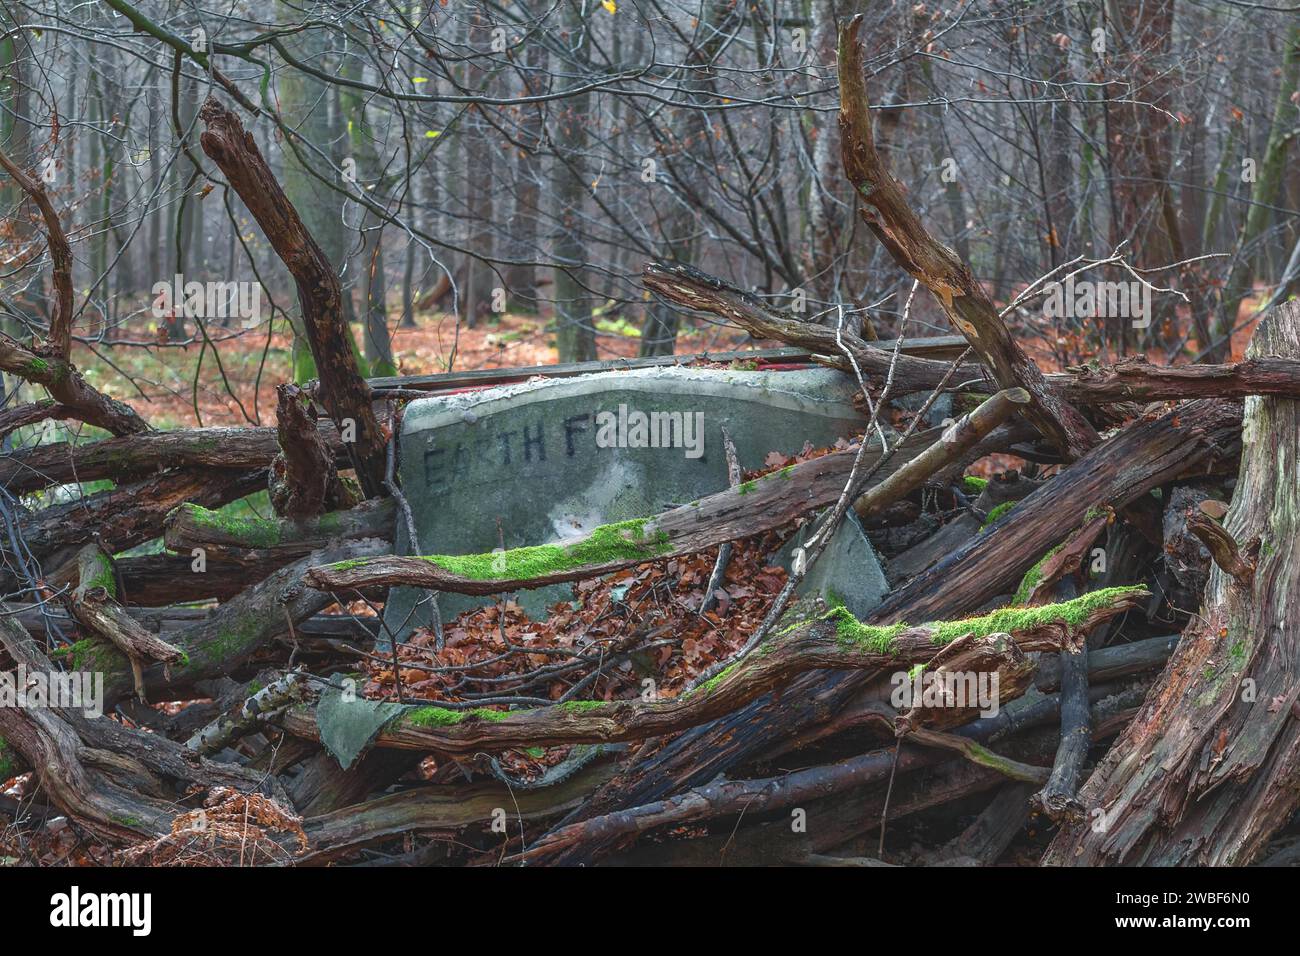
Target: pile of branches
(1146,709)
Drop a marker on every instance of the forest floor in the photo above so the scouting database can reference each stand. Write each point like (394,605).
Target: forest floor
(232,381)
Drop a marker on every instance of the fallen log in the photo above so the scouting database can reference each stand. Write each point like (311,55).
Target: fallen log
(265,541)
(92,605)
(834,642)
(116,783)
(139,455)
(125,516)
(220,643)
(808,787)
(425,809)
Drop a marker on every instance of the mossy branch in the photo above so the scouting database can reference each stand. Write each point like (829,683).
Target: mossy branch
(834,641)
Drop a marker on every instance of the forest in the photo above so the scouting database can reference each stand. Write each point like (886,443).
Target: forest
(688,433)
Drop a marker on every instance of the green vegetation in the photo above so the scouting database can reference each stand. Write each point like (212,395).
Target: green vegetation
(103,576)
(997,513)
(624,541)
(880,639)
(252,532)
(746,487)
(581,706)
(973,485)
(853,632)
(92,655)
(6,761)
(1012,619)
(445,717)
(1032,577)
(708,686)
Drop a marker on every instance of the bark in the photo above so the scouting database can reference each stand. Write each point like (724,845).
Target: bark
(1205,774)
(114,782)
(130,514)
(304,481)
(827,643)
(139,455)
(217,645)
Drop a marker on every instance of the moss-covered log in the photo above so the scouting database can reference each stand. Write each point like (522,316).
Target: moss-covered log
(835,641)
(117,783)
(252,540)
(217,645)
(128,515)
(1195,438)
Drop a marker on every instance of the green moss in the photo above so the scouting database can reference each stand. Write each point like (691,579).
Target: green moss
(496,716)
(37,366)
(446,717)
(973,485)
(997,513)
(834,598)
(709,685)
(103,576)
(1032,577)
(746,487)
(1011,619)
(624,541)
(853,632)
(880,639)
(581,706)
(787,472)
(251,532)
(6,761)
(92,655)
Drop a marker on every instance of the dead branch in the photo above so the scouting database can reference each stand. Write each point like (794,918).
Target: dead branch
(343,391)
(304,480)
(886,212)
